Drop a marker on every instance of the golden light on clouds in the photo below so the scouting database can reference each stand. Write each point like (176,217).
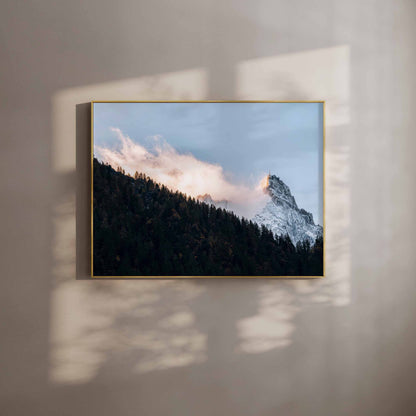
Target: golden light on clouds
(264,183)
(181,172)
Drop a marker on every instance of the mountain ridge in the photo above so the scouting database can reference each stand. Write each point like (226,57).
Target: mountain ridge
(282,215)
(207,199)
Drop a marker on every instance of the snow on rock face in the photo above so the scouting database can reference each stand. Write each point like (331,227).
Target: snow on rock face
(282,215)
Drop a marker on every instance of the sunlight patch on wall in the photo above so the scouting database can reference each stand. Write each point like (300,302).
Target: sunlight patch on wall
(322,74)
(123,327)
(272,327)
(182,85)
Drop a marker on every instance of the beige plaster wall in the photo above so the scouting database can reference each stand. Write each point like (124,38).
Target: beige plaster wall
(340,346)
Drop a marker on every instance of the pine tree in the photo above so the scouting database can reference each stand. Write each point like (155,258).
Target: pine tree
(142,228)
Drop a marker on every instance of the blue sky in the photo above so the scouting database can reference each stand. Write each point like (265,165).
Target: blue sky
(246,139)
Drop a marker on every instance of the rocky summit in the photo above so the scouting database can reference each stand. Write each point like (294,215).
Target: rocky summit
(282,215)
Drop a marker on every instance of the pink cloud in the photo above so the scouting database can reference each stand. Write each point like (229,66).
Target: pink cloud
(181,172)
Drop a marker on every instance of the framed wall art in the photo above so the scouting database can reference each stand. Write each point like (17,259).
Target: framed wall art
(207,189)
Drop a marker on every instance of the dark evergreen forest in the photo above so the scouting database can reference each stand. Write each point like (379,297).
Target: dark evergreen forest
(141,228)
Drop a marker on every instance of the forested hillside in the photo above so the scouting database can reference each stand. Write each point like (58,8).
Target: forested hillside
(143,229)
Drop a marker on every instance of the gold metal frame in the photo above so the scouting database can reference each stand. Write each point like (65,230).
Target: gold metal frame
(207,277)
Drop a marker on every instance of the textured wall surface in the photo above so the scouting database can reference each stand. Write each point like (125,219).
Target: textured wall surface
(344,345)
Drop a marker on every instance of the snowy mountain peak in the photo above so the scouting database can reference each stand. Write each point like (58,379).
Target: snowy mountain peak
(282,215)
(280,192)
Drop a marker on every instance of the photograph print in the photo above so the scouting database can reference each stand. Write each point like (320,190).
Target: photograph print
(207,189)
